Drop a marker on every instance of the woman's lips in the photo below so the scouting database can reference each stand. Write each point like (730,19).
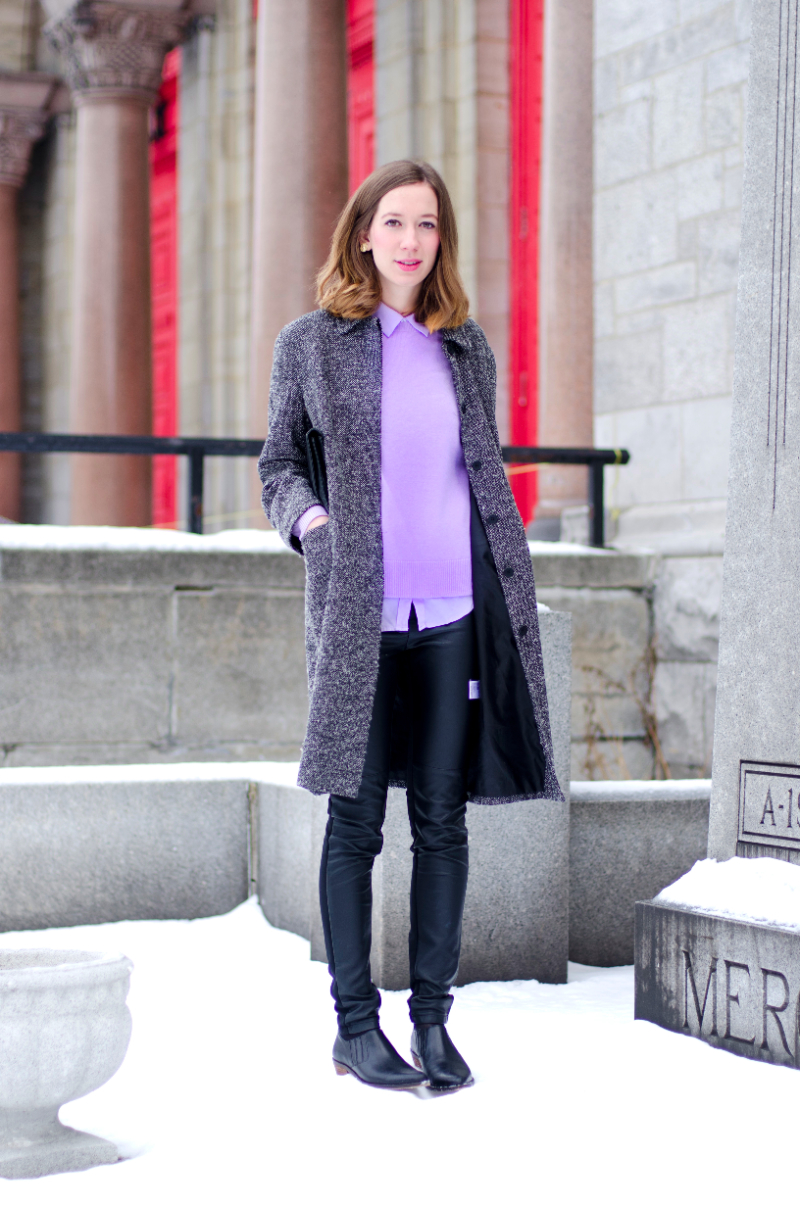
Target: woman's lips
(408,265)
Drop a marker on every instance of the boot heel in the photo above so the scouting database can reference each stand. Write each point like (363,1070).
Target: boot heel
(342,1070)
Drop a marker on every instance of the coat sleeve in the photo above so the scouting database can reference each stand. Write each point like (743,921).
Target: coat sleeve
(282,466)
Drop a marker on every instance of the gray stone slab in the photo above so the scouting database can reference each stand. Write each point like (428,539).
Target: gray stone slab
(601,568)
(628,841)
(286,870)
(79,853)
(109,657)
(733,984)
(754,812)
(239,670)
(319,820)
(68,1152)
(150,568)
(76,665)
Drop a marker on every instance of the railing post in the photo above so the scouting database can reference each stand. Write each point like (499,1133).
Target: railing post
(597,504)
(196,491)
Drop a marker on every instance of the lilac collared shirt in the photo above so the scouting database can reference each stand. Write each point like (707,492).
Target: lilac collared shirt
(425,501)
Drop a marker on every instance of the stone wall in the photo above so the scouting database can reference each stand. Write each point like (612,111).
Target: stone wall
(671,89)
(670,104)
(107,638)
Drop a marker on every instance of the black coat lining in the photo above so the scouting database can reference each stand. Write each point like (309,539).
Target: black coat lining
(506,759)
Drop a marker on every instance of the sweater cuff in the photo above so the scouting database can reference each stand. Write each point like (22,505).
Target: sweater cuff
(300,528)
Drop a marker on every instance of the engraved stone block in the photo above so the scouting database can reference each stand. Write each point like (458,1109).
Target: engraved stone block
(733,984)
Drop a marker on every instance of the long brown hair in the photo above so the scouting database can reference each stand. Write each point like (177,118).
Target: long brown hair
(349,286)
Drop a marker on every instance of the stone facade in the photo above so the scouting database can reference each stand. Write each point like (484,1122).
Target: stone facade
(671,87)
(670,97)
(670,103)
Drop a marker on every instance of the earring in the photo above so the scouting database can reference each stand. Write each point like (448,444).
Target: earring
(364,247)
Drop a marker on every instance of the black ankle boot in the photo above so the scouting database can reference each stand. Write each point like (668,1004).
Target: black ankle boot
(372,1059)
(435,1053)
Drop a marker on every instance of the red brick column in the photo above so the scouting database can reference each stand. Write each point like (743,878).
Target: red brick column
(300,168)
(113,55)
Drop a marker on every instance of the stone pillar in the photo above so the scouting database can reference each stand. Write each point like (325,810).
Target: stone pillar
(24,105)
(566,327)
(300,168)
(113,54)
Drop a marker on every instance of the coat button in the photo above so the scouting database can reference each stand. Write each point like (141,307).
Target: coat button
(522,630)
(493,519)
(477,465)
(509,572)
(463,408)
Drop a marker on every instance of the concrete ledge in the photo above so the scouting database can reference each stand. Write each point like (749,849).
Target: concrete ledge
(733,984)
(628,841)
(104,849)
(556,565)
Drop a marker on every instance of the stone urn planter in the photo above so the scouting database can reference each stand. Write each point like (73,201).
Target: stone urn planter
(64,1031)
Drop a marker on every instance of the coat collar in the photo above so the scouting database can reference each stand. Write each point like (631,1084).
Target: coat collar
(458,336)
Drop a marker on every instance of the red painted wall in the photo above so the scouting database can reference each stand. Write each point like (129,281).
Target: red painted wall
(164,282)
(527,21)
(360,89)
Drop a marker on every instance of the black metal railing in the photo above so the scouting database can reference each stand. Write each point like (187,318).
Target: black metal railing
(197,448)
(595,458)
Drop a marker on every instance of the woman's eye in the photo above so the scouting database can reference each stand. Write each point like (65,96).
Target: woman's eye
(428,226)
(392,222)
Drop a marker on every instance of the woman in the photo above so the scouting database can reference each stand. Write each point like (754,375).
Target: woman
(424,660)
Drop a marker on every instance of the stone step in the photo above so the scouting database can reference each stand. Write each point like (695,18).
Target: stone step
(99,844)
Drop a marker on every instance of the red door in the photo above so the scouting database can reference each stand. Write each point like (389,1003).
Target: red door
(360,89)
(527,20)
(164,283)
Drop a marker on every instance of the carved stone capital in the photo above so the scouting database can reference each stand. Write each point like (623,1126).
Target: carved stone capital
(112,48)
(27,100)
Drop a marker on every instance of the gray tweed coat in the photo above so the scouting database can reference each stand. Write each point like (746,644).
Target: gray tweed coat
(326,374)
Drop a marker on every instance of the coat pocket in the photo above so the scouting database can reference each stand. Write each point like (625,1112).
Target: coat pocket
(318,550)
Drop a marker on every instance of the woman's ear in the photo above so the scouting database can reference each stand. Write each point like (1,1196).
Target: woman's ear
(363,241)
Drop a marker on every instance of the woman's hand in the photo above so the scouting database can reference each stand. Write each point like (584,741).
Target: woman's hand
(315,523)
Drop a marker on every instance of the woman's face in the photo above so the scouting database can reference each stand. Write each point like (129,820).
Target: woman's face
(404,240)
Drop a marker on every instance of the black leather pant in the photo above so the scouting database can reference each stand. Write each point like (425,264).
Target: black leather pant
(437,664)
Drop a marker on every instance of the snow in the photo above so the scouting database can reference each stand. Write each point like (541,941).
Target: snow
(138,540)
(598,792)
(228,1094)
(231,540)
(752,890)
(283,774)
(565,549)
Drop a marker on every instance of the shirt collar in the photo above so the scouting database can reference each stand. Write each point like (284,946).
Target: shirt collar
(391,320)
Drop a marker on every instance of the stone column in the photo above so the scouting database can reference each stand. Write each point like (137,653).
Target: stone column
(566,327)
(300,168)
(113,54)
(24,107)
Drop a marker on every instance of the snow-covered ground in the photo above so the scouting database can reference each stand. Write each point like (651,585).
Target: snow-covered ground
(227,1095)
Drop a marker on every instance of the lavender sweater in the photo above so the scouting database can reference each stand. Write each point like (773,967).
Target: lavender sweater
(425,503)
